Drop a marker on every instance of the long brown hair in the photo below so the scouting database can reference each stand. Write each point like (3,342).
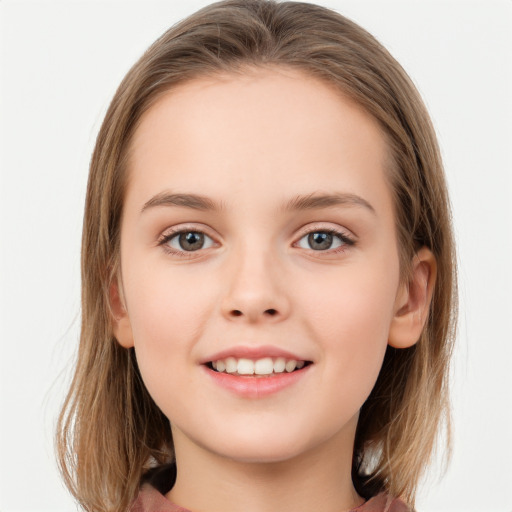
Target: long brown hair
(110,432)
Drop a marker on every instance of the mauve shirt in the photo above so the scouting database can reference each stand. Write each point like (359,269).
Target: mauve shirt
(151,500)
(160,480)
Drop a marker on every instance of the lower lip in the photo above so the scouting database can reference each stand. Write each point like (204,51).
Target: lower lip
(256,387)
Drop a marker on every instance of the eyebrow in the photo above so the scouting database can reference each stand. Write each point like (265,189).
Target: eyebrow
(315,200)
(194,201)
(319,200)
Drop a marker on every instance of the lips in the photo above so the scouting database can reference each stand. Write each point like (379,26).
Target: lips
(263,366)
(255,372)
(253,353)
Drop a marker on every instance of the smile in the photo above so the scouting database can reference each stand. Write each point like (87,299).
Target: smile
(256,378)
(265,366)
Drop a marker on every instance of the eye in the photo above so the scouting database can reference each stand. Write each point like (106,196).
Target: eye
(187,241)
(323,240)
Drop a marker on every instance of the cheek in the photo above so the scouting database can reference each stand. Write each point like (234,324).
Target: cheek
(167,307)
(350,313)
(168,314)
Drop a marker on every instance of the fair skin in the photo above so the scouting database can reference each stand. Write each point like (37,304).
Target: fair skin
(252,278)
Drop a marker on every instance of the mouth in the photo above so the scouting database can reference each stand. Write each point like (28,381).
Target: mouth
(263,367)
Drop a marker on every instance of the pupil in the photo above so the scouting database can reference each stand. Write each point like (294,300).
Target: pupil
(320,240)
(191,241)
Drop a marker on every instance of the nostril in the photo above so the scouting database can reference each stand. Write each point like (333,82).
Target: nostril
(269,312)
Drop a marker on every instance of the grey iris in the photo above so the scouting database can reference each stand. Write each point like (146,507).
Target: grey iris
(320,240)
(191,241)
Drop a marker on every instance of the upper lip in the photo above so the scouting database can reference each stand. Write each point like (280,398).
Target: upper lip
(255,353)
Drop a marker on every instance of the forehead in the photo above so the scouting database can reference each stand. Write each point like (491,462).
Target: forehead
(267,130)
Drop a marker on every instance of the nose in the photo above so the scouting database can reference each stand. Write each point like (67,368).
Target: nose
(255,288)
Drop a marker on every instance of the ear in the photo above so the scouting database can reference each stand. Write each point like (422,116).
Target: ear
(413,300)
(120,319)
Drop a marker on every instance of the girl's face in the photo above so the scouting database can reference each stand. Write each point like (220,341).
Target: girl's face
(258,226)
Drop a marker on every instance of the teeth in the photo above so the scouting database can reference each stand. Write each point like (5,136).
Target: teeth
(264,366)
(245,367)
(279,365)
(290,365)
(231,365)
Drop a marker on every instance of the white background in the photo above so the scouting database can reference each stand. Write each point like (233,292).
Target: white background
(60,65)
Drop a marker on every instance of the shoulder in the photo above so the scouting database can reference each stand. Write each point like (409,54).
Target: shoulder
(150,499)
(155,484)
(384,503)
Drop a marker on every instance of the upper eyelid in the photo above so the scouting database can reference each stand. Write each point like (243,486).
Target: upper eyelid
(173,230)
(322,227)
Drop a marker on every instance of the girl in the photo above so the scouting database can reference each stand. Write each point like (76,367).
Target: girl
(268,274)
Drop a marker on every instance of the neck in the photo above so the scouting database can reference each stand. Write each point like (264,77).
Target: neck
(316,480)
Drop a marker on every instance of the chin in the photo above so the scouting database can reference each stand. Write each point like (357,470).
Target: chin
(257,455)
(264,447)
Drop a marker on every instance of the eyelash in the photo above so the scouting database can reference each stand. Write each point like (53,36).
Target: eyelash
(166,238)
(346,240)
